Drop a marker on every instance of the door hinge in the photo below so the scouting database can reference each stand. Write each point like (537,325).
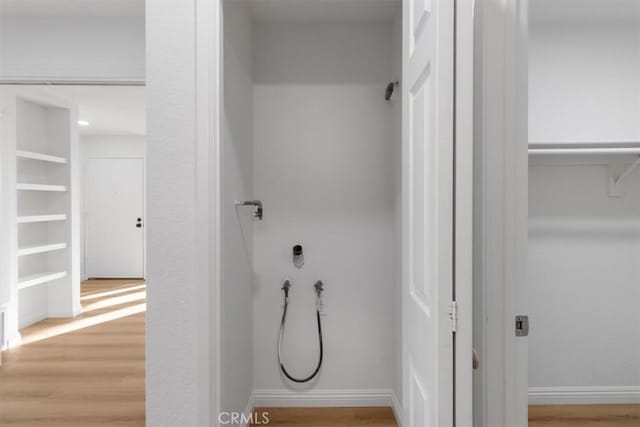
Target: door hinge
(453,315)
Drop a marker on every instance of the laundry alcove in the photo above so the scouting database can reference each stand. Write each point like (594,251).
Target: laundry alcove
(307,131)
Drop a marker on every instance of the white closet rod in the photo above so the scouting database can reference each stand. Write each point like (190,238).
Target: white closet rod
(620,147)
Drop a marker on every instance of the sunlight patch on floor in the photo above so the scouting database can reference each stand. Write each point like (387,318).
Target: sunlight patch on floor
(85,322)
(111,302)
(102,294)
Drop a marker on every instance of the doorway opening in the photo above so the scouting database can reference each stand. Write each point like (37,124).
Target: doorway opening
(336,205)
(73,185)
(581,290)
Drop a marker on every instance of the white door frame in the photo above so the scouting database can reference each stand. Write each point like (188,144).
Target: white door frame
(209,107)
(463,211)
(85,211)
(501,187)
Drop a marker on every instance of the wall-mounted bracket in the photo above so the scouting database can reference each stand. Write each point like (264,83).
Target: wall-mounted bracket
(522,326)
(616,178)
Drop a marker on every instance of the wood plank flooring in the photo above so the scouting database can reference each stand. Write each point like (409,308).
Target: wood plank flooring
(539,416)
(87,371)
(585,416)
(328,417)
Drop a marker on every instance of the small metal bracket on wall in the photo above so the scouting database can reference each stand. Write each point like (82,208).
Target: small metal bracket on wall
(616,178)
(522,326)
(256,204)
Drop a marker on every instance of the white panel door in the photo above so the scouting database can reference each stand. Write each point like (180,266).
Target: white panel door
(115,217)
(427,187)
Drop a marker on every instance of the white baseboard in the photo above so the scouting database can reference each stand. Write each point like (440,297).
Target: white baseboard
(584,395)
(26,321)
(323,398)
(64,314)
(397,408)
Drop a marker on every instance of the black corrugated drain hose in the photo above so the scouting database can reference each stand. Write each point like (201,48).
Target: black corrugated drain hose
(285,288)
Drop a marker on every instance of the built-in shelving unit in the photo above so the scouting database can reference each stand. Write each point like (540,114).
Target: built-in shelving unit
(44,242)
(40,156)
(41,187)
(39,249)
(40,279)
(24,219)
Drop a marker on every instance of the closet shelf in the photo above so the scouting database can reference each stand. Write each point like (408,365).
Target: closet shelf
(38,249)
(39,279)
(40,156)
(578,148)
(23,219)
(41,187)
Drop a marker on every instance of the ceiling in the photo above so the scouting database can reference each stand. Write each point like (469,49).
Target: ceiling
(72,8)
(325,10)
(110,110)
(584,11)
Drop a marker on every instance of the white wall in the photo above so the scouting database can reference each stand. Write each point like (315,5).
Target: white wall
(72,47)
(583,277)
(584,246)
(584,83)
(324,167)
(103,146)
(237,223)
(178,375)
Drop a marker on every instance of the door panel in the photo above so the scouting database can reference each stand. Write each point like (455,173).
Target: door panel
(428,213)
(114,203)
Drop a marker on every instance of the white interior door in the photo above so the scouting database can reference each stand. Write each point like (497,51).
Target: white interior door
(115,217)
(427,187)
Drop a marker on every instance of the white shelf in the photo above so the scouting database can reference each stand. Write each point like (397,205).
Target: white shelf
(39,279)
(38,249)
(24,219)
(40,156)
(580,148)
(41,187)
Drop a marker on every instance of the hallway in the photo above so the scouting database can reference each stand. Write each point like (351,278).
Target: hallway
(87,371)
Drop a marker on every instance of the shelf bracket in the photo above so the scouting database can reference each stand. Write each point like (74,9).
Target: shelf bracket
(616,181)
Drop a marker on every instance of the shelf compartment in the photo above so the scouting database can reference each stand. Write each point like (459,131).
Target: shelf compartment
(25,219)
(41,187)
(38,249)
(39,279)
(40,156)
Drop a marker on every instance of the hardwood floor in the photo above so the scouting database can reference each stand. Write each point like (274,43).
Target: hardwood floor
(585,416)
(87,371)
(539,416)
(327,417)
